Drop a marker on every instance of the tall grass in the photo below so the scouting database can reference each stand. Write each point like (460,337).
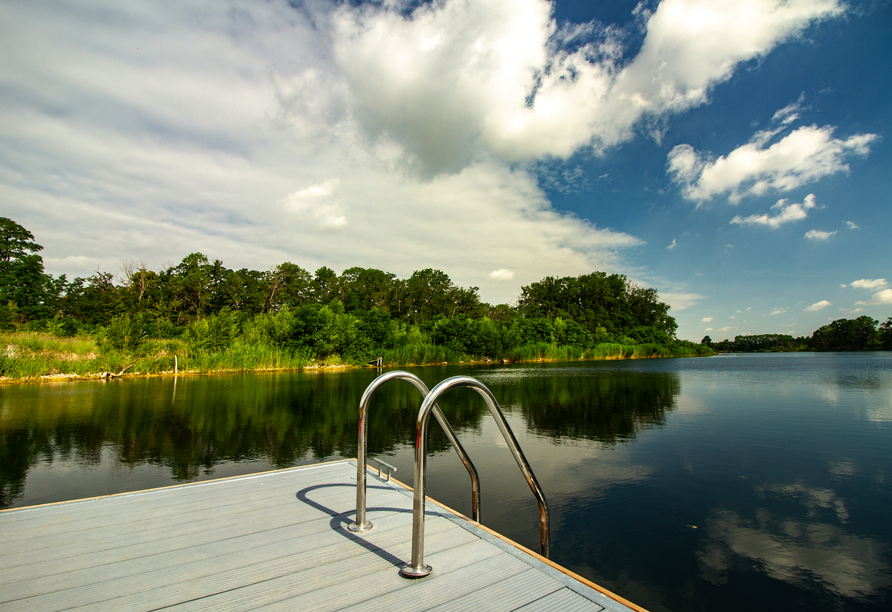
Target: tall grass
(35,342)
(31,355)
(420,354)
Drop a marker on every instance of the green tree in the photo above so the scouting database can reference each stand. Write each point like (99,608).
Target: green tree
(193,284)
(365,288)
(22,278)
(325,286)
(847,335)
(427,295)
(885,334)
(94,300)
(288,285)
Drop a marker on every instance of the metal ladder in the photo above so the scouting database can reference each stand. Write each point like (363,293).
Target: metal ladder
(361,523)
(417,567)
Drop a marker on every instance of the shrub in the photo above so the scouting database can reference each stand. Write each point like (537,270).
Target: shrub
(125,333)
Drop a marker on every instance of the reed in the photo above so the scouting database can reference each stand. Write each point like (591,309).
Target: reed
(32,355)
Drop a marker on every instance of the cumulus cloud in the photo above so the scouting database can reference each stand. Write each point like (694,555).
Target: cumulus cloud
(881,297)
(786,212)
(819,234)
(317,202)
(706,319)
(454,77)
(501,274)
(680,300)
(777,311)
(818,306)
(869,283)
(851,225)
(801,157)
(672,245)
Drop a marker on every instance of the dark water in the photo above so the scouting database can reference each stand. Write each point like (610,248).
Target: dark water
(737,482)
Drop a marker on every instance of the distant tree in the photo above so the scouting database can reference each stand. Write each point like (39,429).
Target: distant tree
(193,284)
(499,312)
(325,286)
(22,278)
(366,288)
(289,285)
(600,301)
(706,340)
(427,294)
(885,334)
(94,300)
(847,335)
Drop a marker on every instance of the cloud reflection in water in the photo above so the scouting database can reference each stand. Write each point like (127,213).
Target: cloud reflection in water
(800,552)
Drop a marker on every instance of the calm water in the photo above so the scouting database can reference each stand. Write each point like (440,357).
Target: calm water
(736,482)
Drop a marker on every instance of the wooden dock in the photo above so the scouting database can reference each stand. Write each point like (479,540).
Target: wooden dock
(271,541)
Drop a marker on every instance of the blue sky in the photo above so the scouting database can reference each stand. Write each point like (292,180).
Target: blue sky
(733,154)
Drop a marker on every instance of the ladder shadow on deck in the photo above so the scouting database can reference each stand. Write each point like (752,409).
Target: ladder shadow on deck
(339,520)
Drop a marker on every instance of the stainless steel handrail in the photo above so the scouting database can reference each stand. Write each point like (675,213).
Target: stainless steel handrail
(361,524)
(417,568)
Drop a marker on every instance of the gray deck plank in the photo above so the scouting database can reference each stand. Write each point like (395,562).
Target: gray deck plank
(506,594)
(129,509)
(563,600)
(382,584)
(273,541)
(457,573)
(323,580)
(192,527)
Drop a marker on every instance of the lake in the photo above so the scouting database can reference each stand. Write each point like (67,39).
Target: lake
(734,482)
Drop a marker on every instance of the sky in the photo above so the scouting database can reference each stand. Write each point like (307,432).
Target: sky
(733,154)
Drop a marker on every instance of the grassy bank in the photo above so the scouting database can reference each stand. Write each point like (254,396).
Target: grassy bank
(28,356)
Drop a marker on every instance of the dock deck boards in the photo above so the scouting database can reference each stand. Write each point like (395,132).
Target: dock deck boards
(272,541)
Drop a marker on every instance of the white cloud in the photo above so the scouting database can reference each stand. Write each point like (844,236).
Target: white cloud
(706,319)
(777,311)
(708,329)
(881,297)
(786,212)
(501,75)
(680,300)
(803,156)
(869,283)
(501,274)
(726,329)
(818,306)
(317,202)
(671,246)
(851,225)
(819,234)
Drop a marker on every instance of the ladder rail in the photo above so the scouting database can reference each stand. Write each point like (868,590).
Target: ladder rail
(361,523)
(417,568)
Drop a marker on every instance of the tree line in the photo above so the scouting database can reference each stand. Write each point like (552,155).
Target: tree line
(861,334)
(356,315)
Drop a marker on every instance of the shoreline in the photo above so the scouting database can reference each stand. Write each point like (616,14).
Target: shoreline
(106,376)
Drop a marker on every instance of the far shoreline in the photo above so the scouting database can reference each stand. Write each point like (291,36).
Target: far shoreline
(320,368)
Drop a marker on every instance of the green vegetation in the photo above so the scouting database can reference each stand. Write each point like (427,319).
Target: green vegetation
(861,334)
(200,316)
